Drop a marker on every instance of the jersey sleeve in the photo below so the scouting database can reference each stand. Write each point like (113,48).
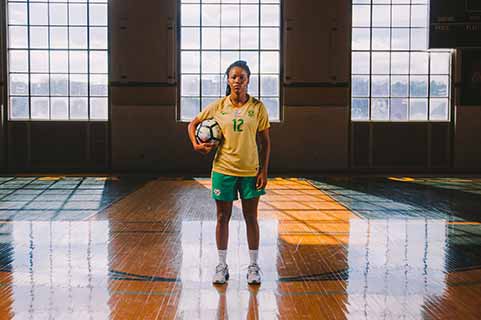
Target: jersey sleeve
(208,111)
(263,119)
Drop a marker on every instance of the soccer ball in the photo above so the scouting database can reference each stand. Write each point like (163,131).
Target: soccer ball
(208,131)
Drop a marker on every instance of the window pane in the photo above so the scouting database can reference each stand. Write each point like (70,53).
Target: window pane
(211,15)
(400,15)
(98,85)
(254,85)
(360,109)
(99,108)
(419,16)
(438,109)
(39,37)
(400,39)
(211,38)
(360,63)
(381,39)
(211,62)
(400,62)
(361,39)
(230,38)
(419,39)
(380,86)
(19,84)
(230,15)
(59,107)
(252,59)
(40,108)
(399,86)
(19,107)
(59,84)
(249,38)
(18,37)
(58,14)
(439,86)
(59,61)
(269,62)
(418,109)
(18,61)
(419,86)
(39,61)
(39,84)
(98,62)
(440,63)
(190,108)
(79,62)
(361,16)
(419,62)
(269,85)
(77,14)
(190,15)
(250,15)
(190,38)
(17,13)
(380,62)
(270,15)
(269,38)
(78,38)
(190,61)
(211,85)
(381,16)
(38,14)
(59,38)
(78,85)
(380,109)
(98,38)
(399,109)
(360,86)
(190,85)
(226,58)
(272,106)
(98,14)
(78,108)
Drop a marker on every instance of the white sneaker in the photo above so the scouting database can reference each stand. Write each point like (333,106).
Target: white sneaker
(221,274)
(253,274)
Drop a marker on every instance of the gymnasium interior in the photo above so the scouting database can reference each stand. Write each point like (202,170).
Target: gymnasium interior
(373,199)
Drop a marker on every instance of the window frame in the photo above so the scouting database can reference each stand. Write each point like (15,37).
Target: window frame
(179,50)
(49,49)
(429,74)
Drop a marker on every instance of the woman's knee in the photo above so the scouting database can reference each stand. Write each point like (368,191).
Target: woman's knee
(250,218)
(223,216)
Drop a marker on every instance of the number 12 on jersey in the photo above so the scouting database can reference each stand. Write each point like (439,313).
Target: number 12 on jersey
(238,124)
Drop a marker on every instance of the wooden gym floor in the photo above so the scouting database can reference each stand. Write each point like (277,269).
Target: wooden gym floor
(331,248)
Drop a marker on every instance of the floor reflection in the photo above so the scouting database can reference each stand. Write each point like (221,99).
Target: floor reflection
(337,248)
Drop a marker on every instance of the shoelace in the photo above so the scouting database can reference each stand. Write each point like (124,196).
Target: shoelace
(220,268)
(254,268)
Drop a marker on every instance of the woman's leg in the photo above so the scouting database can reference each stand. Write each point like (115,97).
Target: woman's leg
(249,209)
(224,212)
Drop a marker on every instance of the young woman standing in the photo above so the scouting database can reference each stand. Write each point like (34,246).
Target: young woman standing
(236,168)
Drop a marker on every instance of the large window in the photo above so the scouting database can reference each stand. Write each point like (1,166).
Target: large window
(394,76)
(215,33)
(58,61)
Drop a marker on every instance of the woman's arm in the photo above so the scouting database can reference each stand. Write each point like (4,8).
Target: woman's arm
(203,148)
(265,153)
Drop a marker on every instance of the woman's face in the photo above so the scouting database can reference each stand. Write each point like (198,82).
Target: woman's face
(238,80)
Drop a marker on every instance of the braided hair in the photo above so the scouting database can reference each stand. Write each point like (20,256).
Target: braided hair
(241,64)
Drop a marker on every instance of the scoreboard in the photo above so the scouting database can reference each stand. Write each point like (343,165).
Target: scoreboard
(455,24)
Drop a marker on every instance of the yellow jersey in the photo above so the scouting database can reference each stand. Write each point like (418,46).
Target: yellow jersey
(237,154)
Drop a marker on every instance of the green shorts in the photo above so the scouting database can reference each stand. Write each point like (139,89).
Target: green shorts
(225,187)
